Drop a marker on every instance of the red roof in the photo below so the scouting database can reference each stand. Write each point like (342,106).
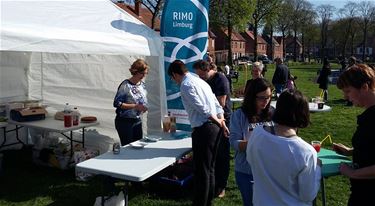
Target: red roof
(145,15)
(260,40)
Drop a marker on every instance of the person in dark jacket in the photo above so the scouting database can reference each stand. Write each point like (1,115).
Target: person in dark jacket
(358,86)
(220,87)
(280,77)
(323,78)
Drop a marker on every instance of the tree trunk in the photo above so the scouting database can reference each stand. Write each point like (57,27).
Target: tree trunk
(352,45)
(229,41)
(303,47)
(323,41)
(364,42)
(295,46)
(256,40)
(272,46)
(284,43)
(308,50)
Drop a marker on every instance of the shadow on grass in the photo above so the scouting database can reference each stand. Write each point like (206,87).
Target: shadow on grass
(23,182)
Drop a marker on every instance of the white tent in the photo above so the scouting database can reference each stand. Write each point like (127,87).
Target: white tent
(62,51)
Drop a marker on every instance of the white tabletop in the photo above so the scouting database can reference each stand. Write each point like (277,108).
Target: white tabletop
(51,124)
(138,164)
(3,124)
(236,99)
(313,107)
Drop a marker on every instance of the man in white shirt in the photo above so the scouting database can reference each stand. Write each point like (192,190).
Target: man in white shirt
(207,120)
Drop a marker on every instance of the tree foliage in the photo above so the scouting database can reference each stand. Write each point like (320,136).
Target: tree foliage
(230,14)
(265,11)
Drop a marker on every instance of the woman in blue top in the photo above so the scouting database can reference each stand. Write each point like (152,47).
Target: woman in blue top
(254,111)
(130,102)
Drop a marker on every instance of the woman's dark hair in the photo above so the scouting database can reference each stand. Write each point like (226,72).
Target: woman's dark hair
(177,67)
(292,109)
(202,65)
(356,76)
(249,104)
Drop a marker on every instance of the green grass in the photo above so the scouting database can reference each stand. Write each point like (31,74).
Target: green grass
(24,183)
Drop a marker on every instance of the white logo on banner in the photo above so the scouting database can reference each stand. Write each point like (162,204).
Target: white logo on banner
(180,43)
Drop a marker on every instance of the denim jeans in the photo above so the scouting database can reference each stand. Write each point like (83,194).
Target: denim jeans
(245,185)
(279,88)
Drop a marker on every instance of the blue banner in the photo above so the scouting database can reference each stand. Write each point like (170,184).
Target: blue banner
(184,28)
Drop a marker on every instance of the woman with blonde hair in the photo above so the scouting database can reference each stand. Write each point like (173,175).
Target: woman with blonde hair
(256,72)
(130,102)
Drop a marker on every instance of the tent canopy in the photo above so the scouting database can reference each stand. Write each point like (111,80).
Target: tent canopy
(78,52)
(67,26)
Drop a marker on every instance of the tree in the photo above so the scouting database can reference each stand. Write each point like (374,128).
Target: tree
(263,9)
(325,12)
(367,13)
(230,14)
(307,28)
(348,14)
(284,20)
(311,38)
(299,10)
(154,6)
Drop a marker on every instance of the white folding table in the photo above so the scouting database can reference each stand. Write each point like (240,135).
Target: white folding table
(235,100)
(3,126)
(53,125)
(313,107)
(133,164)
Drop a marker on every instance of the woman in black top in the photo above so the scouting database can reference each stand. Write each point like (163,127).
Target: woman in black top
(358,86)
(323,78)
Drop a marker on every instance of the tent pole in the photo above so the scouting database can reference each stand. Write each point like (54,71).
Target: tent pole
(41,76)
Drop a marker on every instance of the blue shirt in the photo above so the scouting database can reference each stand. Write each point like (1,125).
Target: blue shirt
(198,100)
(130,93)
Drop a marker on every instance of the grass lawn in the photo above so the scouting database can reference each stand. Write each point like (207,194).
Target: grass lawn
(24,183)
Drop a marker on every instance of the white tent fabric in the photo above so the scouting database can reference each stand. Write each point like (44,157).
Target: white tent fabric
(78,52)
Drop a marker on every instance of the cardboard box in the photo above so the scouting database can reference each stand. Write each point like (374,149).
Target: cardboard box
(28,114)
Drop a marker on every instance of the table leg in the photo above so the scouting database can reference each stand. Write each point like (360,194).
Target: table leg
(23,144)
(83,137)
(3,144)
(5,137)
(71,143)
(126,196)
(323,192)
(107,182)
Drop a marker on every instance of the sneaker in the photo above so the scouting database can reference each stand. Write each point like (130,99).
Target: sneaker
(221,194)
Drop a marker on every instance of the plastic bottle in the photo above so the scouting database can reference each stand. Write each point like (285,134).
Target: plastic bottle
(173,126)
(68,120)
(75,116)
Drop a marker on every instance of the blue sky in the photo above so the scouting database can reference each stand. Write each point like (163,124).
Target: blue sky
(336,3)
